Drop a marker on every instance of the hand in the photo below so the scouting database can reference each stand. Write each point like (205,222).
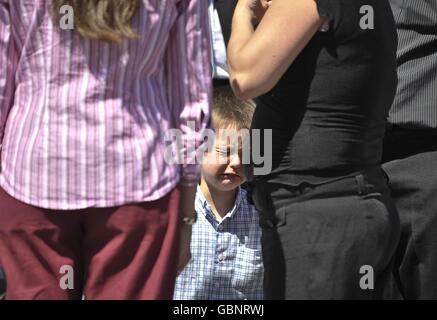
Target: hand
(184,246)
(257,8)
(186,208)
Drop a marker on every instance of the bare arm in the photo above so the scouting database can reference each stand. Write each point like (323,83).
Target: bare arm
(189,87)
(259,57)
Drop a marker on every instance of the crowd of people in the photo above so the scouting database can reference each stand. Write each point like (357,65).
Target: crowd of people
(339,96)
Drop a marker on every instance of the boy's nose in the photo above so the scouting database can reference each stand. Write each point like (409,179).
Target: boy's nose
(235,161)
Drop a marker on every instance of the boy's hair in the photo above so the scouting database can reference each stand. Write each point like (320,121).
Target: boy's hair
(228,111)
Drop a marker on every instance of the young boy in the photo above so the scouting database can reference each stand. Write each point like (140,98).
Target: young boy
(226,241)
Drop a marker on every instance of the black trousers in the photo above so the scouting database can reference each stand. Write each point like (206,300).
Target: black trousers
(332,241)
(411,164)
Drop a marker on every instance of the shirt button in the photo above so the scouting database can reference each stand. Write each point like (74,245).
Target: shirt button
(220,227)
(221,258)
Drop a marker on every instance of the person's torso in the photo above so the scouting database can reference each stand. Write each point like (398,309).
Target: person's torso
(88,116)
(328,112)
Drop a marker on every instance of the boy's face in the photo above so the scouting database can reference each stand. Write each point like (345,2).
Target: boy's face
(222,167)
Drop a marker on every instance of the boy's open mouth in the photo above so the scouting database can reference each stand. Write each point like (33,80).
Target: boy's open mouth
(229,176)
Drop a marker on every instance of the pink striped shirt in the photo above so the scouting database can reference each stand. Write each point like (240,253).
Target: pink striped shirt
(82,122)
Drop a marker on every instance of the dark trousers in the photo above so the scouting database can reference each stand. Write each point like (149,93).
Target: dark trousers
(127,252)
(412,168)
(331,241)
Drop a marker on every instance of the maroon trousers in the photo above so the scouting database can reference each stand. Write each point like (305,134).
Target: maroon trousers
(127,252)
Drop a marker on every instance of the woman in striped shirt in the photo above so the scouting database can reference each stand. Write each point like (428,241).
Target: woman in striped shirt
(88,206)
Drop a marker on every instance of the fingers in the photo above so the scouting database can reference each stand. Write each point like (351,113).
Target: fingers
(184,262)
(185,247)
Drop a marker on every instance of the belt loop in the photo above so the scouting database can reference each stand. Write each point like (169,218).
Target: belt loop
(362,189)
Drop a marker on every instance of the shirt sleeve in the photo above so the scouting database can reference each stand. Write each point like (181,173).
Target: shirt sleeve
(8,62)
(189,80)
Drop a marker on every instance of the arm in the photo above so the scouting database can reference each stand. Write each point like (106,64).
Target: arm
(189,84)
(8,64)
(189,79)
(259,57)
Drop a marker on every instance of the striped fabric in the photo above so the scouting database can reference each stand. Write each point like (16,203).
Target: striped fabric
(83,122)
(226,256)
(415,105)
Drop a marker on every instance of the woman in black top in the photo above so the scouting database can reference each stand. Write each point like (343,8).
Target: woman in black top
(324,72)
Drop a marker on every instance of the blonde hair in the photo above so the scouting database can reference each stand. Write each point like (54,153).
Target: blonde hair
(107,20)
(229,111)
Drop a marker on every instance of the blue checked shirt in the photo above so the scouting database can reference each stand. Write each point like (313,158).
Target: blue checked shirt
(226,256)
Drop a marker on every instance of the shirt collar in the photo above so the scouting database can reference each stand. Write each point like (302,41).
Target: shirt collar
(207,208)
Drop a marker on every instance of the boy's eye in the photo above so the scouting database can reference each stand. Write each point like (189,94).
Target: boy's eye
(225,152)
(228,152)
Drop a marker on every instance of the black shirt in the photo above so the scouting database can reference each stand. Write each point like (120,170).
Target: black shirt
(329,111)
(415,104)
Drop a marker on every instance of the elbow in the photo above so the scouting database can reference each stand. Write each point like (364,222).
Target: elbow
(246,86)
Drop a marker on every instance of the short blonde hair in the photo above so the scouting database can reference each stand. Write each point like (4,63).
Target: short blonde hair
(229,111)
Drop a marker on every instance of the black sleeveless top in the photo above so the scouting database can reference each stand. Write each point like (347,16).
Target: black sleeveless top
(329,110)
